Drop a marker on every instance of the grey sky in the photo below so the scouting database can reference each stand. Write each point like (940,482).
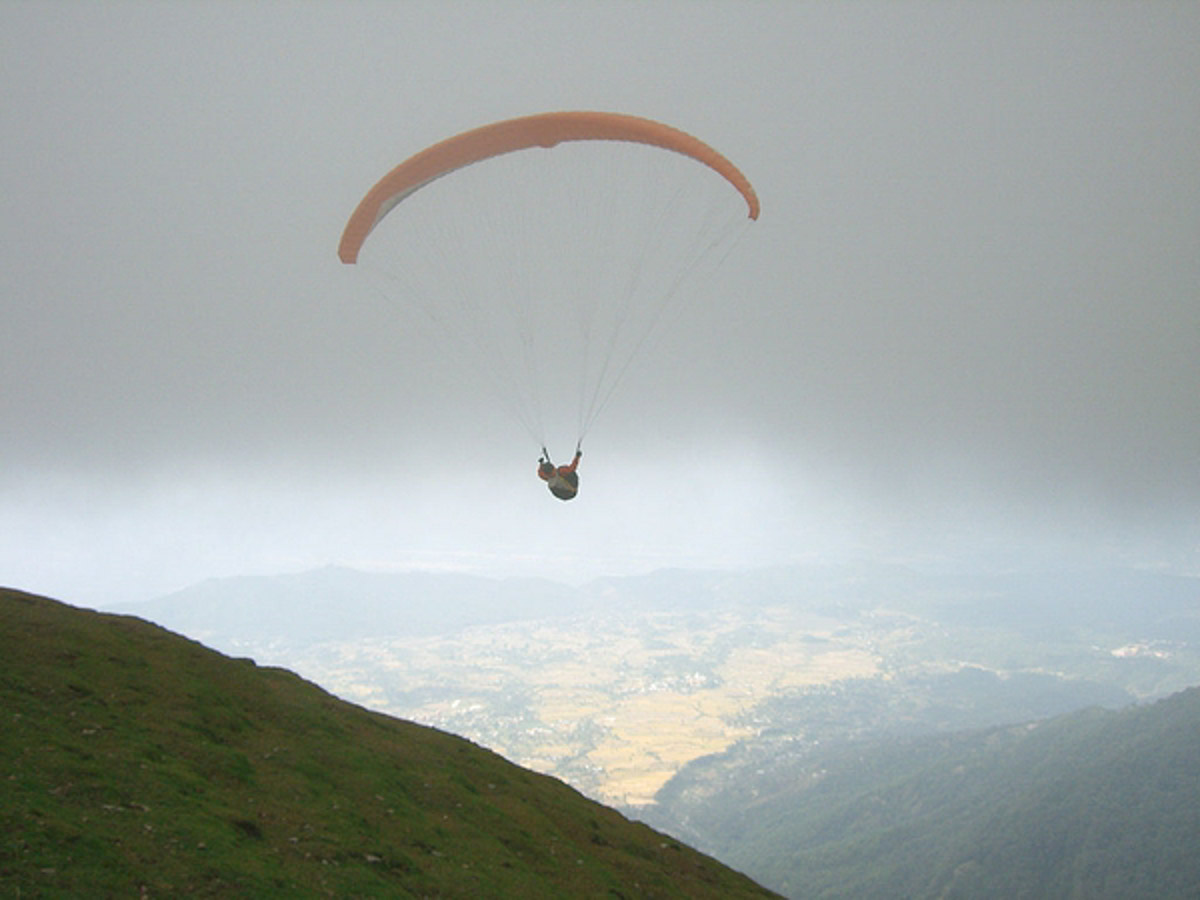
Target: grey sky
(967,321)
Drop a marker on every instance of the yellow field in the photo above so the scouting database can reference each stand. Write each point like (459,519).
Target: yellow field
(616,708)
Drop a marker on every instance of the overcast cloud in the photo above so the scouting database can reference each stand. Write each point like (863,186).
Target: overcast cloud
(967,322)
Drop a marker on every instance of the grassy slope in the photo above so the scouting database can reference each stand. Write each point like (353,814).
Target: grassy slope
(134,760)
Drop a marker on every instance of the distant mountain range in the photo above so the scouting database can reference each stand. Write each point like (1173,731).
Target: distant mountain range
(134,762)
(334,602)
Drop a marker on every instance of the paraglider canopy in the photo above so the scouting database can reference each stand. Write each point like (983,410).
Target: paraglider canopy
(549,273)
(544,130)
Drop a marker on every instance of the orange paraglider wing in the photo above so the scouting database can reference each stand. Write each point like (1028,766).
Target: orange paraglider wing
(544,130)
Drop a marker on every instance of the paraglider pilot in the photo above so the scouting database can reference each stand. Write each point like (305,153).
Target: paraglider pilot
(562,480)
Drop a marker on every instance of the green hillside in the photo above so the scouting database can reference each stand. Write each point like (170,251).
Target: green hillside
(134,761)
(1096,804)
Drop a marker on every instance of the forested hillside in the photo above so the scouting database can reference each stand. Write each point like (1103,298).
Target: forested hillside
(1094,804)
